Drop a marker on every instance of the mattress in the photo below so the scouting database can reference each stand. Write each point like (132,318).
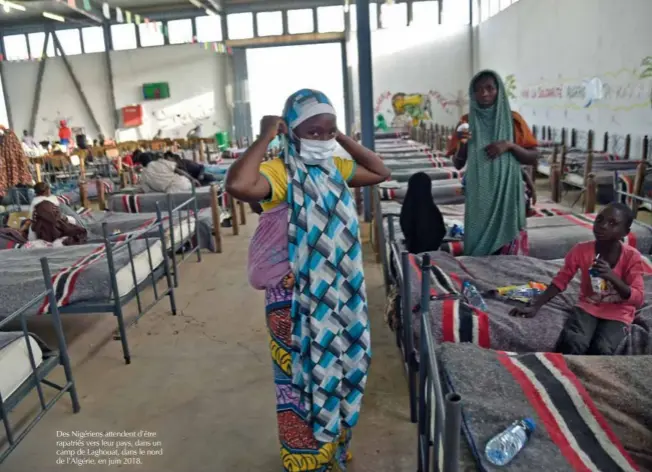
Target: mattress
(445,192)
(15,362)
(443,173)
(417,163)
(146,202)
(80,274)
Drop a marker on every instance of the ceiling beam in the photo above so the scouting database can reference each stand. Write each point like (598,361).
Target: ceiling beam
(91,15)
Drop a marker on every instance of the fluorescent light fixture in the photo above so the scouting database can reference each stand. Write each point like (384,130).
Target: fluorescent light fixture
(210,12)
(54,17)
(196,3)
(11,5)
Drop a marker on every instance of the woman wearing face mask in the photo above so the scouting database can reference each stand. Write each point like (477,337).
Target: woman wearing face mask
(306,255)
(493,148)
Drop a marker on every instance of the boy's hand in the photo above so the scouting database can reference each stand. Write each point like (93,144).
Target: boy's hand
(603,269)
(527,311)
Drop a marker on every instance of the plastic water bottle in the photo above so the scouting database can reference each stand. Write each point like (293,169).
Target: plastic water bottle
(501,449)
(472,296)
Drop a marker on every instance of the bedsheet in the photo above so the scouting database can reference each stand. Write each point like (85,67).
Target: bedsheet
(588,410)
(73,198)
(625,183)
(80,274)
(454,321)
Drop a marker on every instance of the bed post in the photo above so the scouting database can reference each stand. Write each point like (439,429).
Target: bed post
(382,243)
(408,336)
(377,227)
(173,243)
(562,165)
(37,171)
(452,430)
(535,131)
(117,305)
(100,194)
(563,135)
(61,339)
(235,225)
(591,190)
(217,223)
(83,193)
(166,261)
(639,181)
(243,214)
(425,395)
(195,209)
(588,166)
(605,143)
(573,142)
(555,183)
(628,145)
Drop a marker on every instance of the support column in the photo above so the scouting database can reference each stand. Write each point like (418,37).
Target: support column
(348,99)
(366,88)
(5,92)
(241,105)
(76,83)
(39,83)
(108,43)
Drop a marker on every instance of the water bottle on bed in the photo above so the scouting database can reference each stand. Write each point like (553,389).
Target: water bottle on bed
(501,449)
(472,296)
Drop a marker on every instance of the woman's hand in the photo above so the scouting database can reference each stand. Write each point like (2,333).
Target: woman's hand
(527,311)
(497,149)
(271,126)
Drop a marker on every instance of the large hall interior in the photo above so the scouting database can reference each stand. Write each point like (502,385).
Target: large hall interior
(325,235)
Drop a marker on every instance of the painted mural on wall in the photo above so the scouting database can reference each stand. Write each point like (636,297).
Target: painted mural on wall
(609,99)
(402,109)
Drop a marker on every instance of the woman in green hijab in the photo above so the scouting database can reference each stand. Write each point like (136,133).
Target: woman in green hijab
(493,148)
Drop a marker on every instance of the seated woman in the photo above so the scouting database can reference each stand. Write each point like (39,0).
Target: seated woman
(421,221)
(47,223)
(162,175)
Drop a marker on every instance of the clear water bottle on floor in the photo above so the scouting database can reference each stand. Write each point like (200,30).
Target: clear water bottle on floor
(501,449)
(472,296)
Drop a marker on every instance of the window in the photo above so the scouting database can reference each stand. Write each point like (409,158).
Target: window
(300,21)
(393,15)
(16,47)
(330,19)
(209,28)
(36,41)
(456,12)
(180,31)
(425,13)
(151,34)
(93,39)
(373,17)
(240,25)
(505,3)
(270,23)
(494,7)
(124,36)
(484,10)
(70,41)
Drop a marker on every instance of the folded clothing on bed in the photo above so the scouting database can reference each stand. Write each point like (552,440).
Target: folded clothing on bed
(592,413)
(452,320)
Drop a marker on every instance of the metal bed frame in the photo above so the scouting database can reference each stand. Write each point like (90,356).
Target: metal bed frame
(39,373)
(114,304)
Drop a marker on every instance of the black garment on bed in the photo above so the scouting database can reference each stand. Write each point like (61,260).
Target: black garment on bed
(192,168)
(586,334)
(422,223)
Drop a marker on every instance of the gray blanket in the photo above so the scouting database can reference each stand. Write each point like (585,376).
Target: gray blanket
(146,202)
(447,192)
(21,278)
(602,404)
(417,163)
(453,321)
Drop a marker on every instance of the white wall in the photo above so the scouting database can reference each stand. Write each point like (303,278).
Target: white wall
(554,48)
(432,61)
(197,80)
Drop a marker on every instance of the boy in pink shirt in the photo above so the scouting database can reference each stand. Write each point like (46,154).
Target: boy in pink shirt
(611,287)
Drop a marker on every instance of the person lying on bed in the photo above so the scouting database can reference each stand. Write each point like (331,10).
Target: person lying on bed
(48,224)
(421,221)
(161,175)
(194,169)
(608,299)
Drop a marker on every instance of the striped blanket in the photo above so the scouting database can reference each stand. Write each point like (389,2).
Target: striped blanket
(417,163)
(592,413)
(80,275)
(443,193)
(73,198)
(441,173)
(146,202)
(453,321)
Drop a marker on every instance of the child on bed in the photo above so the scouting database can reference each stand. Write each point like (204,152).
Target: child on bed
(611,287)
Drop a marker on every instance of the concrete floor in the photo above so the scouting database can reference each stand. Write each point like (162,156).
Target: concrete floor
(202,381)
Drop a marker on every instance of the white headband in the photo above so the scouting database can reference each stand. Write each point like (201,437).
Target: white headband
(312,109)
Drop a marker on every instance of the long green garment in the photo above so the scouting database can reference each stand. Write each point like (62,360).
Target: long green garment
(495,201)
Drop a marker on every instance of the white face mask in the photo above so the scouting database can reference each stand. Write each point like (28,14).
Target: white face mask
(313,151)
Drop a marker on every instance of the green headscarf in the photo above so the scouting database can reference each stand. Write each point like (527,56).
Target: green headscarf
(495,201)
